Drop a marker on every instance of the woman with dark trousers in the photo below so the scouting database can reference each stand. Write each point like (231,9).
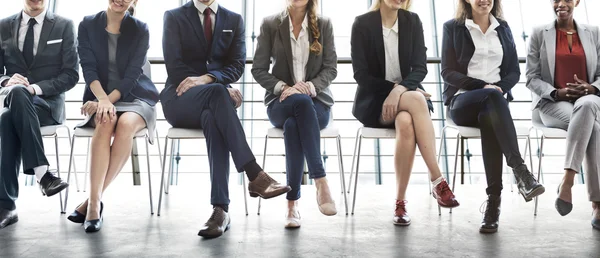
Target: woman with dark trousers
(118,100)
(298,96)
(479,67)
(390,62)
(563,73)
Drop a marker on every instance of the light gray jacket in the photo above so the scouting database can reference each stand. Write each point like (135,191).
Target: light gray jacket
(274,44)
(541,59)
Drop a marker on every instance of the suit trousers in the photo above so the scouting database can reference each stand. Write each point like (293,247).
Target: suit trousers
(488,110)
(302,119)
(20,138)
(582,122)
(209,107)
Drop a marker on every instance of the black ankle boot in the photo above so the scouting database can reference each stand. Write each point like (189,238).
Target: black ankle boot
(491,215)
(528,186)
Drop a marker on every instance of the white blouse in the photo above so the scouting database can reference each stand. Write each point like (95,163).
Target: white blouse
(392,59)
(487,59)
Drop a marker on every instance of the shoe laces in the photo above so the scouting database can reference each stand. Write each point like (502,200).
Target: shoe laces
(486,209)
(445,190)
(215,214)
(401,205)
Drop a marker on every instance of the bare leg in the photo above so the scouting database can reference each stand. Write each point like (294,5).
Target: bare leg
(99,166)
(404,155)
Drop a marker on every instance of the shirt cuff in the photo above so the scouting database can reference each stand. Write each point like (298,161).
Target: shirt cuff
(37,89)
(212,76)
(278,88)
(313,91)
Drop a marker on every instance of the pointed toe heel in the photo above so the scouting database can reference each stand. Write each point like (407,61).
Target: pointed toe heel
(563,207)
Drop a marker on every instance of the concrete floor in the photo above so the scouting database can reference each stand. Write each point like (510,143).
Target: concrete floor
(130,231)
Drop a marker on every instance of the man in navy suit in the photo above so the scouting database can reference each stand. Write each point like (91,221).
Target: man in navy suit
(205,51)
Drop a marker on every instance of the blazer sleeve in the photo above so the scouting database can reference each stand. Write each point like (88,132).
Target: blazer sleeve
(360,62)
(3,77)
(596,79)
(68,76)
(450,65)
(418,62)
(177,70)
(262,59)
(136,62)
(236,58)
(328,70)
(535,83)
(514,71)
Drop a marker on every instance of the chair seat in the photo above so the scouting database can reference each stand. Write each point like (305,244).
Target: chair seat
(89,132)
(474,132)
(182,133)
(50,130)
(383,133)
(550,132)
(328,132)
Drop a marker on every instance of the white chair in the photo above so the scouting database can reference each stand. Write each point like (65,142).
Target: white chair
(51,132)
(183,134)
(329,132)
(547,133)
(88,132)
(466,132)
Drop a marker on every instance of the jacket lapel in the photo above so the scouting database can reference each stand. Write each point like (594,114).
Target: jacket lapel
(311,55)
(220,20)
(194,18)
(284,36)
(550,41)
(404,43)
(126,39)
(589,48)
(378,40)
(46,29)
(15,24)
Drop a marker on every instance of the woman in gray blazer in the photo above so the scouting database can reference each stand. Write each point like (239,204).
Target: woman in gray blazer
(298,98)
(563,72)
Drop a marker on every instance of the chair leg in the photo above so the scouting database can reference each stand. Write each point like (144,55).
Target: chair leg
(356,174)
(162,176)
(263,165)
(60,197)
(245,193)
(535,210)
(342,174)
(149,175)
(170,173)
(69,171)
(158,145)
(358,132)
(87,163)
(74,167)
(458,138)
(439,156)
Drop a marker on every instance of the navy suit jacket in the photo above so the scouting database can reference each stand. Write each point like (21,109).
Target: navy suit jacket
(187,53)
(132,47)
(457,51)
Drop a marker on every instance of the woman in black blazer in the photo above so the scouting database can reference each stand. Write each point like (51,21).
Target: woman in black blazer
(479,66)
(390,61)
(119,99)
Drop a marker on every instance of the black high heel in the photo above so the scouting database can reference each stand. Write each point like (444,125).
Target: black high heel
(563,207)
(77,217)
(94,225)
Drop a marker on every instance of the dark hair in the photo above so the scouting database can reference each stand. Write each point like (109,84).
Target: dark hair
(131,10)
(464,10)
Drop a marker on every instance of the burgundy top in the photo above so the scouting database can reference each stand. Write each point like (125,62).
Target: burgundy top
(569,61)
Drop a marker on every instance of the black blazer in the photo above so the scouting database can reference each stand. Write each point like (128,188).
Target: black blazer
(368,61)
(132,47)
(457,51)
(188,54)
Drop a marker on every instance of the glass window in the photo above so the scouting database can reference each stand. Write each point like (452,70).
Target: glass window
(76,10)
(10,7)
(152,14)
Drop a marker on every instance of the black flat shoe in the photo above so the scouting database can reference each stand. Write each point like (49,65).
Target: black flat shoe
(77,217)
(94,225)
(563,207)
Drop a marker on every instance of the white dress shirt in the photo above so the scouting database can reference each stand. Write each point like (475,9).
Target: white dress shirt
(487,59)
(392,59)
(300,53)
(37,31)
(201,7)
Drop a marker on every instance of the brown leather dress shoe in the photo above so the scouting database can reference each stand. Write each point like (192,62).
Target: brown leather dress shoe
(216,225)
(444,196)
(401,217)
(266,187)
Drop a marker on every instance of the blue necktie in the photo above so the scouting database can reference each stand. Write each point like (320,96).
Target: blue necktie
(28,45)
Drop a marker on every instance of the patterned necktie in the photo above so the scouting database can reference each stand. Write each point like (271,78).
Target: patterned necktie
(28,44)
(208,26)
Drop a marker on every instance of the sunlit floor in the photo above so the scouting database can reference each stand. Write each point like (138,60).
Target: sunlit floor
(130,231)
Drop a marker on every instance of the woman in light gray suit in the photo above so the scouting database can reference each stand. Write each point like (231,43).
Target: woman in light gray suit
(298,96)
(563,72)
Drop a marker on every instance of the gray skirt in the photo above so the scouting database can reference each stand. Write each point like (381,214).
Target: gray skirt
(147,112)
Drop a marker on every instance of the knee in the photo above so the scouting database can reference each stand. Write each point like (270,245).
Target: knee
(290,124)
(127,127)
(588,102)
(415,98)
(18,94)
(218,89)
(494,94)
(5,118)
(404,125)
(302,101)
(105,129)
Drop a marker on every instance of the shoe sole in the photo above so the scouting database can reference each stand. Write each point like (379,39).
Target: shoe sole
(597,227)
(215,236)
(402,224)
(535,193)
(487,230)
(10,222)
(448,207)
(58,190)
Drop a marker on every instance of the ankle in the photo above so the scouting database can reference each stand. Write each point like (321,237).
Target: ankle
(292,204)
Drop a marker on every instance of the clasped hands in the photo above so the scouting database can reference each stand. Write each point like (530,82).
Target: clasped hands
(299,88)
(18,79)
(575,90)
(104,109)
(391,105)
(194,81)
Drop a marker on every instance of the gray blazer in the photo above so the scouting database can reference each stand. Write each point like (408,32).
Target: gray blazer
(55,67)
(274,43)
(541,59)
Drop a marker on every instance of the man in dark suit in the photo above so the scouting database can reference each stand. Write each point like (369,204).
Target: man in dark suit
(205,51)
(38,64)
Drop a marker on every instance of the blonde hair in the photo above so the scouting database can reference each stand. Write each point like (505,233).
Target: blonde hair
(464,11)
(377,4)
(311,12)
